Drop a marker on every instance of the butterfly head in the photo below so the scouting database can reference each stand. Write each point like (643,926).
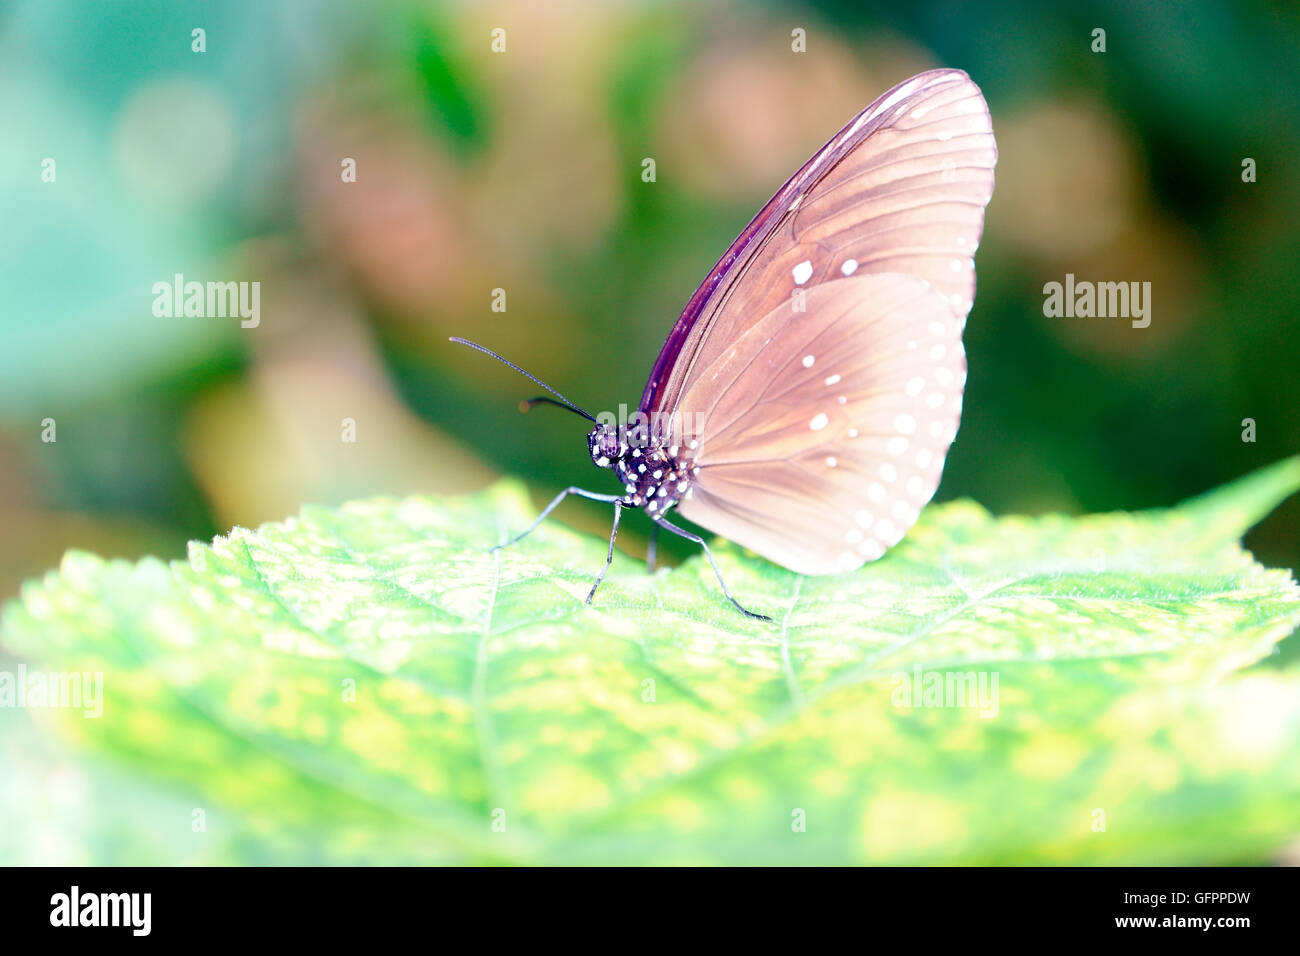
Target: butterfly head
(607,444)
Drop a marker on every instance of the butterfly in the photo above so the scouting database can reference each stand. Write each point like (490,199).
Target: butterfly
(806,398)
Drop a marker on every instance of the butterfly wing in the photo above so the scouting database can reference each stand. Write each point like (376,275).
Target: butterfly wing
(819,367)
(830,426)
(902,188)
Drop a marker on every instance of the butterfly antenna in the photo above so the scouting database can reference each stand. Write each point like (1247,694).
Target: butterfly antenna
(527,404)
(563,402)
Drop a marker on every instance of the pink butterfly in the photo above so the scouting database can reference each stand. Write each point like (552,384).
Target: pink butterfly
(805,401)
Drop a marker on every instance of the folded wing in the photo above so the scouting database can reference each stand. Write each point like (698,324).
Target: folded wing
(823,432)
(902,188)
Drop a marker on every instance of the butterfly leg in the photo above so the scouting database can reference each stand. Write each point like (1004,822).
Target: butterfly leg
(652,551)
(609,558)
(709,554)
(572,490)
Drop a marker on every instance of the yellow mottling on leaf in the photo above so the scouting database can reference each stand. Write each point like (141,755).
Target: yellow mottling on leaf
(378,738)
(1119,641)
(567,788)
(428,777)
(910,825)
(680,812)
(1049,756)
(831,781)
(147,726)
(315,727)
(743,789)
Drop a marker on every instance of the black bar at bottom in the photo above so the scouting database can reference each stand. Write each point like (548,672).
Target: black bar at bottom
(332,906)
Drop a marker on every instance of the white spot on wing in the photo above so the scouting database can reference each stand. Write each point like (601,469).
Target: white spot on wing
(832,379)
(808,361)
(802,272)
(905,512)
(871,549)
(888,533)
(850,266)
(819,422)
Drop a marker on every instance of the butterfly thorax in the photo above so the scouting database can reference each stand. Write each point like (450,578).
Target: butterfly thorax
(655,474)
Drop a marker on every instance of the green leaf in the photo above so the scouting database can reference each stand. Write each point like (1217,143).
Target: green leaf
(659,725)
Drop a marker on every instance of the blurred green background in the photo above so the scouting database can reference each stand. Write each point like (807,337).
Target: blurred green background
(522,171)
